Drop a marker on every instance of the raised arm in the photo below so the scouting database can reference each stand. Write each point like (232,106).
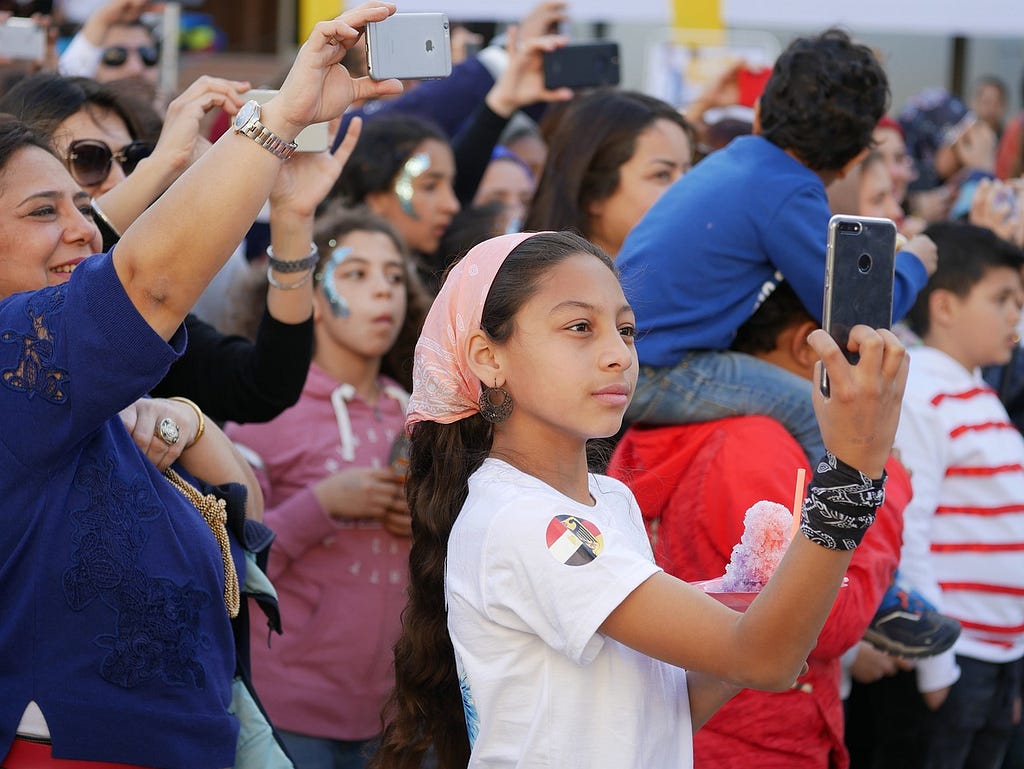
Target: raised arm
(766,647)
(169,255)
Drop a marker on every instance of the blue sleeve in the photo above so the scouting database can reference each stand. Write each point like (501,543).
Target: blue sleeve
(447,102)
(911,277)
(71,357)
(795,241)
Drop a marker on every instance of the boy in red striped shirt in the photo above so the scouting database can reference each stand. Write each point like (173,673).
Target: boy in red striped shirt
(963,542)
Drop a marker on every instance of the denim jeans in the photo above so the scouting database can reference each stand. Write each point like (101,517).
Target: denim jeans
(972,729)
(324,753)
(713,385)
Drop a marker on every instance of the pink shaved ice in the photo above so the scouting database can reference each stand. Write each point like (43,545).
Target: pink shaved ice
(767,528)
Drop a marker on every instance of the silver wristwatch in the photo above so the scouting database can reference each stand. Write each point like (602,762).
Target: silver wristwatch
(247,123)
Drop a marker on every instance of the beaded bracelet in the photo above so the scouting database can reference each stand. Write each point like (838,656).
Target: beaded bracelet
(840,505)
(287,286)
(307,262)
(199,415)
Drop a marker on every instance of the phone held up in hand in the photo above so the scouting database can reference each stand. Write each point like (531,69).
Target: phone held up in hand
(859,267)
(409,46)
(582,65)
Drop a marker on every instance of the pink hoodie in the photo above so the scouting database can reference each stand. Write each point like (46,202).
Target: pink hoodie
(341,584)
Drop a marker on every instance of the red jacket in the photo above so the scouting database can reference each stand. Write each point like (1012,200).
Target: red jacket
(693,484)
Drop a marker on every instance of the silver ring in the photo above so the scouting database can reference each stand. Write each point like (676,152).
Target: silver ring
(168,431)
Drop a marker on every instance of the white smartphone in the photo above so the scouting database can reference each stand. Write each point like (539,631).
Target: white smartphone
(22,39)
(312,138)
(859,270)
(409,46)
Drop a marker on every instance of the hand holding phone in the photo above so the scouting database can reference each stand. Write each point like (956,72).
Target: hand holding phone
(859,269)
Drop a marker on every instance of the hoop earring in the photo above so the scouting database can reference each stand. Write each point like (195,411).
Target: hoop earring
(492,411)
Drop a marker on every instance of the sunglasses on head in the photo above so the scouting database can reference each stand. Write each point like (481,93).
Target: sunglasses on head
(117,55)
(90,160)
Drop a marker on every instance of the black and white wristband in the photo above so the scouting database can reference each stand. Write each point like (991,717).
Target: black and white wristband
(841,504)
(307,262)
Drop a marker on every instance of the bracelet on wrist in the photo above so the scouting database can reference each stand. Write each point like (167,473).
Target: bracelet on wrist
(288,286)
(840,505)
(199,416)
(307,262)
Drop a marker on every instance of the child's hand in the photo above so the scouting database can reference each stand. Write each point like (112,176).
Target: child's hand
(360,492)
(859,419)
(924,249)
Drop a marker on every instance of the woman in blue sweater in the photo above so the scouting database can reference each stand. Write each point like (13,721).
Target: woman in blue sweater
(112,587)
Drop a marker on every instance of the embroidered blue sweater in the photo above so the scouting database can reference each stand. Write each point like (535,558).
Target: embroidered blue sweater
(112,616)
(717,242)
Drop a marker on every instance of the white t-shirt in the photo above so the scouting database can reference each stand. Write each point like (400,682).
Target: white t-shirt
(531,575)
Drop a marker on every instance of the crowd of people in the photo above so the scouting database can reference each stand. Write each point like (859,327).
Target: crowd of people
(409,451)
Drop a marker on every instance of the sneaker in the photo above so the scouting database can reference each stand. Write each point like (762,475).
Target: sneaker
(906,625)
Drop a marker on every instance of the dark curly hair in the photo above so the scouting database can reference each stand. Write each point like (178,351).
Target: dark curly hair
(824,98)
(384,145)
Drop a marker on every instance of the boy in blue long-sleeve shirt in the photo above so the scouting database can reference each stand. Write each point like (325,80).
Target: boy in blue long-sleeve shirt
(715,245)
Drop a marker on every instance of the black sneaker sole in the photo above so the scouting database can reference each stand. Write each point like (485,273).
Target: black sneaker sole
(890,646)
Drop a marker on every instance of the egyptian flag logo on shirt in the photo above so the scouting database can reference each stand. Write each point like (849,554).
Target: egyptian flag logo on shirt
(574,541)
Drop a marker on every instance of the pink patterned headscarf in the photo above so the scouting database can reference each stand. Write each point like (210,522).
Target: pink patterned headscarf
(444,388)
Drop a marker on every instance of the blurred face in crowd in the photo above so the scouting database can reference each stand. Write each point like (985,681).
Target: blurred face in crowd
(662,155)
(981,328)
(129,50)
(989,104)
(532,150)
(46,227)
(876,197)
(93,124)
(421,202)
(890,144)
(508,182)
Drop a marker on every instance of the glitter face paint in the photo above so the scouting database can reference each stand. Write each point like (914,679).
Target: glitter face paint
(339,307)
(413,168)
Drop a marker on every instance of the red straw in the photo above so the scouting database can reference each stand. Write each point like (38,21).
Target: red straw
(798,501)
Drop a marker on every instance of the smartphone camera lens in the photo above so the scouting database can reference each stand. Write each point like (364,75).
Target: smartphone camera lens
(864,263)
(851,227)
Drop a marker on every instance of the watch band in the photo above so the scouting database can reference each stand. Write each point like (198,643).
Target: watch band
(266,138)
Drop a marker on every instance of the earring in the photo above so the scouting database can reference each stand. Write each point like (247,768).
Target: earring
(495,411)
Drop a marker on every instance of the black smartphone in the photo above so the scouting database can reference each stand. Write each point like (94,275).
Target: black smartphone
(582,65)
(859,268)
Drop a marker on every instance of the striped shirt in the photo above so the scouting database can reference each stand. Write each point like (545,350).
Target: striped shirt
(963,539)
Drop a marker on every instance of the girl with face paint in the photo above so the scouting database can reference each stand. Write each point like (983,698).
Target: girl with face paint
(403,170)
(332,474)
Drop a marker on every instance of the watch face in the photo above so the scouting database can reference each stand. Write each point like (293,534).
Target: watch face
(248,111)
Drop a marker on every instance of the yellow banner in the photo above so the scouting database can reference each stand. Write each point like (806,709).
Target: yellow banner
(312,11)
(696,14)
